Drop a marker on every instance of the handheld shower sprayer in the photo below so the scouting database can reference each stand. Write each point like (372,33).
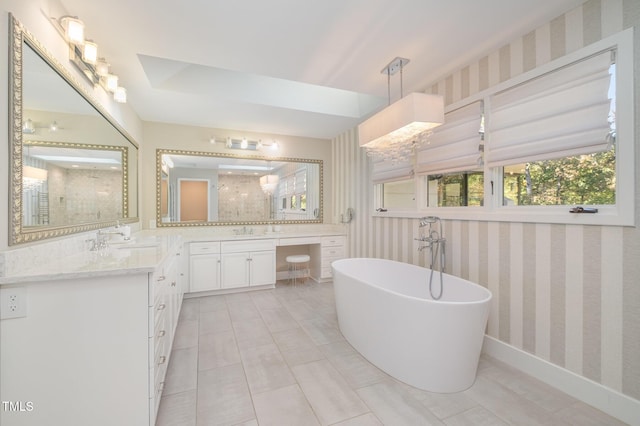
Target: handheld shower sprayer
(432,239)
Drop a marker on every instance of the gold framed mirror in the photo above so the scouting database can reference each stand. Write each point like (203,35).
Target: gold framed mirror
(195,188)
(62,144)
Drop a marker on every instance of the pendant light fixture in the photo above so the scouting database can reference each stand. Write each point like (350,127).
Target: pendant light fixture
(393,132)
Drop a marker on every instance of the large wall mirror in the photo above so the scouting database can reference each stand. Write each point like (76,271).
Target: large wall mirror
(205,188)
(73,168)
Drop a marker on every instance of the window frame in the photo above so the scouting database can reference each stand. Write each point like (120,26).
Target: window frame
(622,213)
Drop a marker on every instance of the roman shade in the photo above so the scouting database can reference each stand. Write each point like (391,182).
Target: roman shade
(391,171)
(454,146)
(559,114)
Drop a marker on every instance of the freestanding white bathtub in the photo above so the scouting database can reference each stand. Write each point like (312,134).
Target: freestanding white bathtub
(386,313)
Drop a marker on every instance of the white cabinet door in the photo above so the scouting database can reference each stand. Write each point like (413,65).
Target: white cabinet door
(263,267)
(204,272)
(235,270)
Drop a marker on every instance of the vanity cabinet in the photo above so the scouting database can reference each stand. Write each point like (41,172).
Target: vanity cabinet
(165,299)
(248,263)
(215,265)
(93,348)
(330,249)
(204,266)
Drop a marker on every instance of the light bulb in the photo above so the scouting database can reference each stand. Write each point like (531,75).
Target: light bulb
(90,52)
(112,82)
(120,95)
(73,29)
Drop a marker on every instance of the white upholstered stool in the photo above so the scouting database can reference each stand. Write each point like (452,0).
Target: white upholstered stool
(296,262)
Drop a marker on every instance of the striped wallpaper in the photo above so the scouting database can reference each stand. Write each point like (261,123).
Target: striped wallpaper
(568,294)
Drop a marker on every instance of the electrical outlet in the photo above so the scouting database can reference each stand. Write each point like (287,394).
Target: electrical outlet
(13,302)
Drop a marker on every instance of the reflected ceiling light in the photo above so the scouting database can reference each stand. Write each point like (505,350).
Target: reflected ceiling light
(268,183)
(392,133)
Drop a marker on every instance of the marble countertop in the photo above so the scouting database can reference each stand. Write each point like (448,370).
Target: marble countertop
(144,253)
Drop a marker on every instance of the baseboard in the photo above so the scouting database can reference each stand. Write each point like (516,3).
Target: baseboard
(192,295)
(601,397)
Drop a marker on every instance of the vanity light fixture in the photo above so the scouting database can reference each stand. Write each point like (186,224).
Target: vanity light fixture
(83,54)
(392,133)
(244,144)
(30,128)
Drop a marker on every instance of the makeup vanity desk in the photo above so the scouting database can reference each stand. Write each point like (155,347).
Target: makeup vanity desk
(245,262)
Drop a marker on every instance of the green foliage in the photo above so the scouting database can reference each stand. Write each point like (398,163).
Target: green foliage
(584,180)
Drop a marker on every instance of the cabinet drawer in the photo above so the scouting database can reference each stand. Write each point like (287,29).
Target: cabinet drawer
(299,241)
(245,246)
(326,272)
(337,240)
(205,247)
(332,252)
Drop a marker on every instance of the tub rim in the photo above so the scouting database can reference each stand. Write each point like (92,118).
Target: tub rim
(419,299)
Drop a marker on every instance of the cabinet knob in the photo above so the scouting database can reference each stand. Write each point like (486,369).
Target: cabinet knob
(161,306)
(173,283)
(161,278)
(163,359)
(161,333)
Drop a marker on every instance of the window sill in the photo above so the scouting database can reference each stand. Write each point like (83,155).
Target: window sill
(606,216)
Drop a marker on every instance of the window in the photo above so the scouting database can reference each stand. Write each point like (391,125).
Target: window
(563,124)
(557,137)
(399,195)
(586,179)
(454,189)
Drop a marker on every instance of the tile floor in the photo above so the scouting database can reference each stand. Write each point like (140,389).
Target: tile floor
(276,357)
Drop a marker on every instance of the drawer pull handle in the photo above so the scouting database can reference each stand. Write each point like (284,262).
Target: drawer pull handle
(162,333)
(161,278)
(161,306)
(163,359)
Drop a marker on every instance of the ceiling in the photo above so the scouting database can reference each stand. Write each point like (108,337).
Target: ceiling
(292,67)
